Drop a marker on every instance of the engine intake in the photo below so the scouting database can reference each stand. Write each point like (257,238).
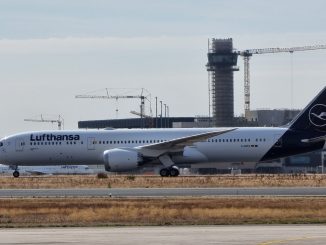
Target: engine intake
(116,160)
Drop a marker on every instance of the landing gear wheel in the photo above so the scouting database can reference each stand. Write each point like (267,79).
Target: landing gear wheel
(164,172)
(174,172)
(15,174)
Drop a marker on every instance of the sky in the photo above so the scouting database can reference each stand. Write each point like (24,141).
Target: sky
(51,51)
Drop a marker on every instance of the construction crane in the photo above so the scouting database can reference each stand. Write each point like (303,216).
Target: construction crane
(138,114)
(149,118)
(142,98)
(246,54)
(59,121)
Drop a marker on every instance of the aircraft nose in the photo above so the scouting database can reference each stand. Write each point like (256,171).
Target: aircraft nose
(2,151)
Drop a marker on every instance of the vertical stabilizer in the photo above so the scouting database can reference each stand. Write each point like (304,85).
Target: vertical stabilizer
(313,117)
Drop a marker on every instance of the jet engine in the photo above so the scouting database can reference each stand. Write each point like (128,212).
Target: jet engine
(119,160)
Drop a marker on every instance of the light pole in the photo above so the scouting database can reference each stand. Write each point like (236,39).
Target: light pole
(161,114)
(164,115)
(156,112)
(168,123)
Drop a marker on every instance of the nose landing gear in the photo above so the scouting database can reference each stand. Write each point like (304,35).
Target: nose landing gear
(15,174)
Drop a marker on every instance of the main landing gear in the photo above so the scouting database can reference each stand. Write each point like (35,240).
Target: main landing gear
(171,171)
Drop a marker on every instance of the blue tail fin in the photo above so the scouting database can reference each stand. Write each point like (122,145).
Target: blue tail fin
(306,132)
(313,117)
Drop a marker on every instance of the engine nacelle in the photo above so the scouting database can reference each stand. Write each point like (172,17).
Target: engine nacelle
(119,160)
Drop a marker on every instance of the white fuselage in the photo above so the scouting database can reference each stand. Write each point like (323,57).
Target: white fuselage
(55,169)
(87,147)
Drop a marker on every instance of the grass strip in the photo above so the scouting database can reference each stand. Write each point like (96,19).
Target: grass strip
(45,212)
(130,181)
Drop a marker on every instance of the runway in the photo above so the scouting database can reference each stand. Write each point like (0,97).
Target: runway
(164,192)
(190,235)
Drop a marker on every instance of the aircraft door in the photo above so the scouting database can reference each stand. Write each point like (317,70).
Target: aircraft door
(91,143)
(19,143)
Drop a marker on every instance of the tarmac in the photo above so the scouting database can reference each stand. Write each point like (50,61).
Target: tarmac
(190,235)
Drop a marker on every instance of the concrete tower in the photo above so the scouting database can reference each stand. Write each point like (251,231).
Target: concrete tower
(222,62)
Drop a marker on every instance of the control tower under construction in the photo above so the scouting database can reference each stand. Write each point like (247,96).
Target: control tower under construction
(222,62)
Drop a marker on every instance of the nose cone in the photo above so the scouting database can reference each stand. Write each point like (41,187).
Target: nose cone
(2,152)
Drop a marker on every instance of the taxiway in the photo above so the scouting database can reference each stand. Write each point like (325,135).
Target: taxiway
(190,235)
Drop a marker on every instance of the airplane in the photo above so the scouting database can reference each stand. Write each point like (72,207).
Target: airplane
(55,169)
(128,149)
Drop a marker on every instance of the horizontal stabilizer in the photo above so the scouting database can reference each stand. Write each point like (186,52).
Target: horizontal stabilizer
(314,140)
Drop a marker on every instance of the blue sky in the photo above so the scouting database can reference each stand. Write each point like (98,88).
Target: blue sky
(52,50)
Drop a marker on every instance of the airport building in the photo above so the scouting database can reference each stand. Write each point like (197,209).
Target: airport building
(164,122)
(270,118)
(255,118)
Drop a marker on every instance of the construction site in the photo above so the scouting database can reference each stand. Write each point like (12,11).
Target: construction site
(222,62)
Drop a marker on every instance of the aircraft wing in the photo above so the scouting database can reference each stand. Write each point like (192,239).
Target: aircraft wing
(177,145)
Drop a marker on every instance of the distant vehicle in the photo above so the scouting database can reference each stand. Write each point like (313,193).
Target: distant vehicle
(58,169)
(128,149)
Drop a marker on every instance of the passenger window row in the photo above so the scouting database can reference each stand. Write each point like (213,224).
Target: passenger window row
(229,140)
(106,142)
(235,140)
(260,140)
(55,143)
(134,142)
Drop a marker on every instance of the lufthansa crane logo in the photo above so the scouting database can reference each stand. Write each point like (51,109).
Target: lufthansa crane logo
(317,115)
